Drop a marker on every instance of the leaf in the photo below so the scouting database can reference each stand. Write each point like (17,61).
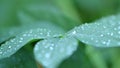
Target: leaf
(21,59)
(5,34)
(102,33)
(51,52)
(13,45)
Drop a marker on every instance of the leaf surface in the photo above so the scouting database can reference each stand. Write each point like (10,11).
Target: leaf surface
(13,45)
(101,33)
(51,52)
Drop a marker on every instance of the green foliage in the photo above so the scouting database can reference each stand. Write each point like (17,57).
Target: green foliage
(41,33)
(13,45)
(101,33)
(54,50)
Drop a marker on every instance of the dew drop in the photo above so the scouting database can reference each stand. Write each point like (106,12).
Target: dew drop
(41,33)
(51,48)
(118,32)
(0,52)
(9,47)
(108,42)
(101,35)
(103,42)
(21,38)
(74,32)
(20,41)
(111,34)
(104,27)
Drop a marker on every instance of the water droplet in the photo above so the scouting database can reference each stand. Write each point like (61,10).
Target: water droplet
(111,34)
(101,35)
(74,32)
(51,48)
(0,52)
(104,27)
(103,42)
(41,33)
(118,32)
(20,41)
(21,38)
(9,47)
(108,42)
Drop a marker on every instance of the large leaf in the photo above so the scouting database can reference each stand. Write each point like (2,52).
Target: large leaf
(50,52)
(102,33)
(5,34)
(45,31)
(21,59)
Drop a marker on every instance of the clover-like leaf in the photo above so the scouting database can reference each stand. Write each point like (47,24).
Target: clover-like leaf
(45,31)
(50,52)
(102,33)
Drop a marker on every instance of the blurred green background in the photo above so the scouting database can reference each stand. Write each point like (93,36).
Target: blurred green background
(64,13)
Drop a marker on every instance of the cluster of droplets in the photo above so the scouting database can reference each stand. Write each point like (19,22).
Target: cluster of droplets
(54,50)
(103,33)
(10,47)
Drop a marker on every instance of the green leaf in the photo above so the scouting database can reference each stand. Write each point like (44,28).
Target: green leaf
(5,34)
(51,52)
(102,33)
(21,59)
(13,45)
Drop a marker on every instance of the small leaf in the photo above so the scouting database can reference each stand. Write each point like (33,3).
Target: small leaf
(102,33)
(51,52)
(13,45)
